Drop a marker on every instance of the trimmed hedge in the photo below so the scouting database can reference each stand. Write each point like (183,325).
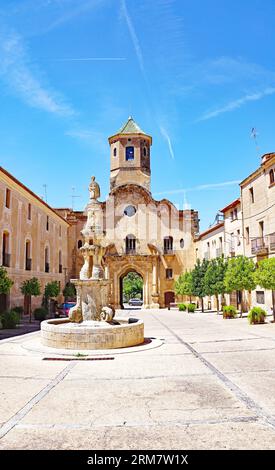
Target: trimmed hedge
(191,308)
(182,307)
(40,313)
(9,319)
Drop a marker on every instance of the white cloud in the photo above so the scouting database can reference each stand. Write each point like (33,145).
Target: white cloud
(201,187)
(167,138)
(17,72)
(235,104)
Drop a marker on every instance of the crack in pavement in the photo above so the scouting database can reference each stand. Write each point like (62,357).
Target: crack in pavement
(15,419)
(238,392)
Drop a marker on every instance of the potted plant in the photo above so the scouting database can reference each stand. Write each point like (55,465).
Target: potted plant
(256,315)
(229,311)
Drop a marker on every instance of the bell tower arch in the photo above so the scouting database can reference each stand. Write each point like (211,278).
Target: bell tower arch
(130,156)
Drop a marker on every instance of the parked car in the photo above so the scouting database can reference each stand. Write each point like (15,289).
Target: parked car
(63,309)
(135,302)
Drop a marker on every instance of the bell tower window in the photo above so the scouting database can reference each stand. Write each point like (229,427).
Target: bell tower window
(114,152)
(144,151)
(129,153)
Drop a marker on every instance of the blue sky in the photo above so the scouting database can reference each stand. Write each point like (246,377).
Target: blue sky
(196,75)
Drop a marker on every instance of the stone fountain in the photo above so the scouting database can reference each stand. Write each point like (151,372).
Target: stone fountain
(91,323)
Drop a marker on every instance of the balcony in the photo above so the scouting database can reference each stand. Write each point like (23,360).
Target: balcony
(130,251)
(259,245)
(47,267)
(232,250)
(6,260)
(168,251)
(272,242)
(28,264)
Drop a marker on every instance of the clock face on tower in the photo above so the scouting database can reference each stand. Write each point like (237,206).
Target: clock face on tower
(130,211)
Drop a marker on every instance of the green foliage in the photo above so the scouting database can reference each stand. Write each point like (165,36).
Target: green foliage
(51,289)
(69,291)
(240,274)
(182,307)
(198,274)
(214,277)
(5,282)
(19,310)
(9,319)
(229,311)
(256,315)
(132,286)
(191,308)
(31,287)
(40,313)
(184,285)
(264,276)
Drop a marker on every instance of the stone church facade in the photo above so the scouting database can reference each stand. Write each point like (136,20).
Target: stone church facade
(152,238)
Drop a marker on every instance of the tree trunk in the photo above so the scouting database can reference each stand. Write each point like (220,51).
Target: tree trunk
(30,309)
(218,306)
(202,306)
(273,304)
(242,303)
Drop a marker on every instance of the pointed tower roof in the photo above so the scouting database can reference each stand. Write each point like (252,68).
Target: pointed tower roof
(129,128)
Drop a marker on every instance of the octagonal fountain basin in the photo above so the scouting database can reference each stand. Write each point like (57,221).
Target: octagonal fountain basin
(63,334)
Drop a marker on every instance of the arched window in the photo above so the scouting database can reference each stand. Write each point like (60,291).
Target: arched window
(144,151)
(114,153)
(79,244)
(271,176)
(47,263)
(130,244)
(168,245)
(28,261)
(129,153)
(182,243)
(60,262)
(5,250)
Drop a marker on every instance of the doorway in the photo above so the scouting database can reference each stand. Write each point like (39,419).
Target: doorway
(131,290)
(169,298)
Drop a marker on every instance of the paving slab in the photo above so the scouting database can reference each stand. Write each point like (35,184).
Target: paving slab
(209,385)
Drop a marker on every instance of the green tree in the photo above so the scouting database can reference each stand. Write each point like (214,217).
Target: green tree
(29,288)
(214,278)
(132,286)
(5,282)
(240,276)
(198,274)
(51,291)
(265,277)
(184,285)
(69,291)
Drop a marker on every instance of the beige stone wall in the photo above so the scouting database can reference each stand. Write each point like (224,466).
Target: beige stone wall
(233,232)
(15,222)
(262,210)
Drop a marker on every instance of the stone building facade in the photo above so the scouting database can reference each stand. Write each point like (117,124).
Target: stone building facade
(152,238)
(33,239)
(248,229)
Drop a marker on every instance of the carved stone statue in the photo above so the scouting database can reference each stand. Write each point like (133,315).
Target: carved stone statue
(94,189)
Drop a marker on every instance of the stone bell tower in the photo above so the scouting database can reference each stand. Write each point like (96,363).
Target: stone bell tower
(130,156)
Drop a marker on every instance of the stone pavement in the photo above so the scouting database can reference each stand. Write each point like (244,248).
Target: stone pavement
(210,385)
